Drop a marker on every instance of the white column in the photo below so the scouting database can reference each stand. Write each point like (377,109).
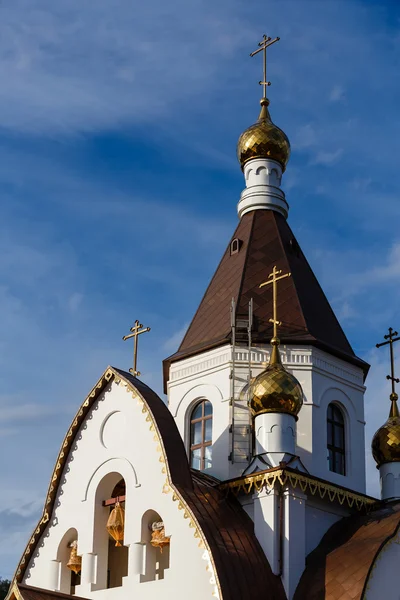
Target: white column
(263,180)
(294,540)
(136,559)
(88,574)
(390,480)
(275,432)
(54,575)
(267,525)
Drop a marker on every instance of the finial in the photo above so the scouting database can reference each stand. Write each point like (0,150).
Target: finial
(136,330)
(273,278)
(263,45)
(391,339)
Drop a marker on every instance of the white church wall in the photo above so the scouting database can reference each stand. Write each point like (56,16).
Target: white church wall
(324,378)
(320,516)
(384,579)
(350,400)
(116,442)
(204,377)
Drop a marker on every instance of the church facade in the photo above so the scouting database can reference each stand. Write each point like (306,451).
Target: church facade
(250,480)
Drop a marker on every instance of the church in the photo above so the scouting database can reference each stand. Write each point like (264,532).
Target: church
(249,480)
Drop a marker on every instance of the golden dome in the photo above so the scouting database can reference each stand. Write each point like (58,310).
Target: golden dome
(386,441)
(275,390)
(263,140)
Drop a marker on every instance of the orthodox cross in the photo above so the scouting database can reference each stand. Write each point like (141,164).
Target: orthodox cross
(391,338)
(136,330)
(263,45)
(273,278)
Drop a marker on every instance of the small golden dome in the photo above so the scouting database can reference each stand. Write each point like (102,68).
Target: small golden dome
(263,140)
(386,441)
(275,390)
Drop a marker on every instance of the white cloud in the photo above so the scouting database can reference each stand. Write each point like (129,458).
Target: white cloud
(81,67)
(172,344)
(327,158)
(336,93)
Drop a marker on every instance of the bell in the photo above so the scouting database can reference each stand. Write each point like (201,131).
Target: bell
(158,538)
(75,561)
(115,524)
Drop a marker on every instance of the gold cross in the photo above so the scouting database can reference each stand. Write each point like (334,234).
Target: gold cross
(136,330)
(263,45)
(391,338)
(273,278)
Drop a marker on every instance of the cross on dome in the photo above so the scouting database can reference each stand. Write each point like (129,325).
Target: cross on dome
(273,278)
(391,339)
(263,45)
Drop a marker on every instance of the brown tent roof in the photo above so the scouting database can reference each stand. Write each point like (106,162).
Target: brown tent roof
(307,317)
(339,567)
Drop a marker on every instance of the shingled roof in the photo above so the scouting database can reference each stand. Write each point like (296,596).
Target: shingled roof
(338,569)
(265,240)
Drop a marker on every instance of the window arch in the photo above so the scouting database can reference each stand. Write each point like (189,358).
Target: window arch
(68,580)
(156,557)
(336,439)
(112,561)
(201,435)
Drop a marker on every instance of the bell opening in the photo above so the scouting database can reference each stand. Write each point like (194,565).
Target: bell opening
(157,542)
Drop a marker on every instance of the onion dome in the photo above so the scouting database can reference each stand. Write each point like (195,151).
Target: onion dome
(386,441)
(275,390)
(263,140)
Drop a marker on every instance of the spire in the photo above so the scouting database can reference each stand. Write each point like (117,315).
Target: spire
(263,151)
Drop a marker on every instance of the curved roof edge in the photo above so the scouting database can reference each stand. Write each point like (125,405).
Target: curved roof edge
(237,560)
(341,564)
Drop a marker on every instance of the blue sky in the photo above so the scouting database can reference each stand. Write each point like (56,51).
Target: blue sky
(119,185)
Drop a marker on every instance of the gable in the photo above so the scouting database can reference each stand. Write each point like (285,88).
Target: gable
(123,429)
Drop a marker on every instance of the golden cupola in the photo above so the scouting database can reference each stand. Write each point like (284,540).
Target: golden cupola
(386,441)
(263,140)
(275,390)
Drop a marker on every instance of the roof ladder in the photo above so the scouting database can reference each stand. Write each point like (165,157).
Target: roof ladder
(240,428)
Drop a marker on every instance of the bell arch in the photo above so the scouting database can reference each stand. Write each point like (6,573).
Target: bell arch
(70,562)
(112,554)
(157,546)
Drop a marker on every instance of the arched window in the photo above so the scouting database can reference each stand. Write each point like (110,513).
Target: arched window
(336,441)
(201,436)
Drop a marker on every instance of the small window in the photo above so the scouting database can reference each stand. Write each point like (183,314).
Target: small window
(336,441)
(201,436)
(235,246)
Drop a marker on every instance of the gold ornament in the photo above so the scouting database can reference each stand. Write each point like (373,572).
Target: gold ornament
(75,561)
(115,524)
(386,441)
(275,390)
(158,538)
(264,140)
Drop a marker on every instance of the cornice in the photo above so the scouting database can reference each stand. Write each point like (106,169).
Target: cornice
(279,477)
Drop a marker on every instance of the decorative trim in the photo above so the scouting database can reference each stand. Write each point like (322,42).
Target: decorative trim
(284,476)
(58,469)
(112,375)
(291,357)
